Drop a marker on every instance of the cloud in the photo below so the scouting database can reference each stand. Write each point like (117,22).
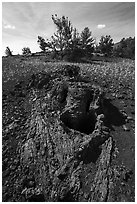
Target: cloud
(101,26)
(8,26)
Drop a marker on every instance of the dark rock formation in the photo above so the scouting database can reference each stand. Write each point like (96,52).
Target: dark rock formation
(65,127)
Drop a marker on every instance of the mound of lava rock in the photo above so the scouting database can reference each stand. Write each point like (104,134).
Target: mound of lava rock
(66,155)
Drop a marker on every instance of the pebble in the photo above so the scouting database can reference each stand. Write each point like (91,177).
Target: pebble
(6,182)
(126,128)
(129,118)
(113,94)
(105,133)
(122,183)
(34,99)
(43,152)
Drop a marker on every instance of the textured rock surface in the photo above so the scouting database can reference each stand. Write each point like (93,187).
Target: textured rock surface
(65,149)
(66,123)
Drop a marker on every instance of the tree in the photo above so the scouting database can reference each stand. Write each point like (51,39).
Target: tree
(87,41)
(43,44)
(8,52)
(62,37)
(125,48)
(26,51)
(66,41)
(74,51)
(106,45)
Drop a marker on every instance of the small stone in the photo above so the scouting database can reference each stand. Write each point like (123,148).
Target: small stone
(122,183)
(113,94)
(43,152)
(6,182)
(129,118)
(81,163)
(124,113)
(80,149)
(34,99)
(105,133)
(126,128)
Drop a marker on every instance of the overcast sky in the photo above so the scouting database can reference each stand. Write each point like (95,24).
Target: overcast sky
(22,22)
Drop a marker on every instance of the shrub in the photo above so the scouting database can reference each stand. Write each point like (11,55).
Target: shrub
(26,51)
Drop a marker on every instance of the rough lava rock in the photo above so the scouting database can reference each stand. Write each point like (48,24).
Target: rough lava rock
(66,150)
(66,123)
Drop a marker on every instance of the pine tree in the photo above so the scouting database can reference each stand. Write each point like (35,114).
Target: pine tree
(87,41)
(63,36)
(106,45)
(43,44)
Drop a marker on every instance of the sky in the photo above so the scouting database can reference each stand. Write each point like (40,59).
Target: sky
(22,22)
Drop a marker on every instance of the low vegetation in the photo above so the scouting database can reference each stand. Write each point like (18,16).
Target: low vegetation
(26,51)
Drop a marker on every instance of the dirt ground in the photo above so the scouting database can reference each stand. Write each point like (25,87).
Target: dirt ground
(17,109)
